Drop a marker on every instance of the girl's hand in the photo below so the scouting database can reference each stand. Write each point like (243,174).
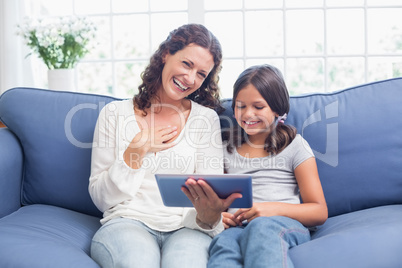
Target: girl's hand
(206,202)
(266,209)
(229,220)
(312,212)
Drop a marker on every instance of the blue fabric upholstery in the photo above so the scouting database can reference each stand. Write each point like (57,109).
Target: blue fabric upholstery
(55,130)
(365,238)
(356,137)
(47,236)
(10,182)
(47,218)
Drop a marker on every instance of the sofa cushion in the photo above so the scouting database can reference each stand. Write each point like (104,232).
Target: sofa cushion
(47,236)
(366,238)
(356,136)
(55,129)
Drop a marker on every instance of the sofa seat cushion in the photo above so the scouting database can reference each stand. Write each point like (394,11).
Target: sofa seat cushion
(46,236)
(366,238)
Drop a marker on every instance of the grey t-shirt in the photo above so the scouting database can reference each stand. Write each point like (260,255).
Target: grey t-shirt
(273,176)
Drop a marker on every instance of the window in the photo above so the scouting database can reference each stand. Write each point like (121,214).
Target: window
(319,45)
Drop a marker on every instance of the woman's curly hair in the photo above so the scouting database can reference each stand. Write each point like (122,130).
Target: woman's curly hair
(178,39)
(269,82)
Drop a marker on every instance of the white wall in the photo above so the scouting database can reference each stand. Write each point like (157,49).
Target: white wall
(2,52)
(14,67)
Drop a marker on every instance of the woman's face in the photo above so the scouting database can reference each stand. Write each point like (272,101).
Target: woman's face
(253,113)
(185,71)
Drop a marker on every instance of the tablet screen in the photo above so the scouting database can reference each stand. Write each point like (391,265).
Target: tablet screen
(223,184)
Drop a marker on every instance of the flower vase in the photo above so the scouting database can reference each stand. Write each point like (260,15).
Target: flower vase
(61,79)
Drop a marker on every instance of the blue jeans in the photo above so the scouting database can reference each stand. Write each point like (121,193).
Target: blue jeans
(264,242)
(130,243)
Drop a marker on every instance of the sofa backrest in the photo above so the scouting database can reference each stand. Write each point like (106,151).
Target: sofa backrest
(356,136)
(55,129)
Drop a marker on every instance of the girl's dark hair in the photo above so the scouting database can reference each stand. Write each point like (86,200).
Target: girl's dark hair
(269,82)
(178,39)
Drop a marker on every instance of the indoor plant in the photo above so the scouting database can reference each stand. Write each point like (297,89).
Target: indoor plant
(60,42)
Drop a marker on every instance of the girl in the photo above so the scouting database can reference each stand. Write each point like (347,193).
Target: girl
(166,128)
(283,167)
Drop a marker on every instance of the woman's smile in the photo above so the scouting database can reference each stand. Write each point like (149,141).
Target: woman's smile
(179,85)
(185,71)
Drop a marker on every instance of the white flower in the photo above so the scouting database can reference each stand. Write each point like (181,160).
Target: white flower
(45,43)
(64,29)
(78,39)
(59,41)
(53,33)
(51,38)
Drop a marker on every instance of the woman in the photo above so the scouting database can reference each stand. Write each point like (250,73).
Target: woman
(166,128)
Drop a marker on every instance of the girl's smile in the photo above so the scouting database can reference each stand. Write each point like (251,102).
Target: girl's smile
(251,123)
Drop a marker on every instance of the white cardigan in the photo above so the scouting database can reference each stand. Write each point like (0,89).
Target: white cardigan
(120,191)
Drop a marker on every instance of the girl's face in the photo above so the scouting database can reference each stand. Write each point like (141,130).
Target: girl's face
(185,71)
(253,113)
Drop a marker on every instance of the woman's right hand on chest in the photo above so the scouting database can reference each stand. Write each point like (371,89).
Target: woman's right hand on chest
(154,139)
(149,140)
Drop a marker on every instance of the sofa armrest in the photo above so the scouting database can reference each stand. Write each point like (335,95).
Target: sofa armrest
(11,167)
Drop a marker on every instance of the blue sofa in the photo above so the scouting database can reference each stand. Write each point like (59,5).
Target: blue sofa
(47,218)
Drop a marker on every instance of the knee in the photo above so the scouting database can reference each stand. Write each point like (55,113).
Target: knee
(278,226)
(101,254)
(273,223)
(224,240)
(186,241)
(220,241)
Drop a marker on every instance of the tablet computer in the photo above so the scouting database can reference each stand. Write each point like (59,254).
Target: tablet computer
(223,184)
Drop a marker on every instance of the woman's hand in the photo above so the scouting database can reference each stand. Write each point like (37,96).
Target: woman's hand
(206,202)
(154,139)
(149,140)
